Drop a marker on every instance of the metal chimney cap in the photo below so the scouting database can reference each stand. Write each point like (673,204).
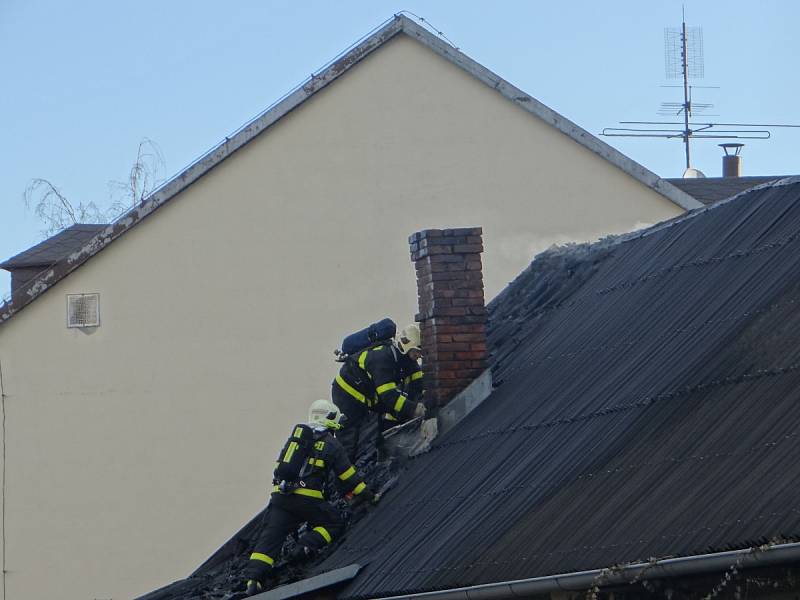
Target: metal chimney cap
(735,149)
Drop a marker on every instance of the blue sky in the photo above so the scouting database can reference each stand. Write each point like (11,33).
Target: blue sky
(83,82)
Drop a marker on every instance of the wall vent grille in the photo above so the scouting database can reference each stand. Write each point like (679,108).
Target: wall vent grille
(83,310)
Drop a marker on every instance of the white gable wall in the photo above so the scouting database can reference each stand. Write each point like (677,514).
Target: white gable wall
(134,451)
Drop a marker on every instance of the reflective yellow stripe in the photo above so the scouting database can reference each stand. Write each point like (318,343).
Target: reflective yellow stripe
(398,405)
(359,488)
(362,359)
(386,387)
(389,417)
(298,432)
(290,452)
(348,474)
(262,558)
(309,493)
(416,375)
(317,462)
(351,390)
(324,533)
(302,492)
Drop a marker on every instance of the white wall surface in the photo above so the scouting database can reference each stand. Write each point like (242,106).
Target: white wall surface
(133,451)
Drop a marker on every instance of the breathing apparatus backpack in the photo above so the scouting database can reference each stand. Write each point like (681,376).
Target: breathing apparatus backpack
(293,460)
(381,331)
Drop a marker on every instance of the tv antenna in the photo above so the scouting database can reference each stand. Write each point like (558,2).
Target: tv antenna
(683,59)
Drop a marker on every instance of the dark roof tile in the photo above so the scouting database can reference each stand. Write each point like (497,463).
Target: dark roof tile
(54,248)
(713,189)
(648,408)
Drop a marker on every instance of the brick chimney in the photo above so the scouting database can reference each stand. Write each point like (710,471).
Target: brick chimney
(452,314)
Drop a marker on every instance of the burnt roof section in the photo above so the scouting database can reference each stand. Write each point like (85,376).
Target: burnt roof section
(713,189)
(54,248)
(647,407)
(398,24)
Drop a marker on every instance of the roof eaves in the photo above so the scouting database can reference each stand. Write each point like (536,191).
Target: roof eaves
(549,116)
(617,574)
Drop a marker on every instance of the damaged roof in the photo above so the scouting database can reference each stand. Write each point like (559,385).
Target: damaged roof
(647,407)
(398,24)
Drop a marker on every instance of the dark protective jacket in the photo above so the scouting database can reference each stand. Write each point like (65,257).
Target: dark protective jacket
(411,374)
(374,377)
(410,384)
(327,455)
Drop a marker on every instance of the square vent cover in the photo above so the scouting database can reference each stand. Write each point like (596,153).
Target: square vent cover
(83,310)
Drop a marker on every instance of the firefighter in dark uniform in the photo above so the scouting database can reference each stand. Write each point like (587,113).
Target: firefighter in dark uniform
(372,380)
(410,377)
(303,501)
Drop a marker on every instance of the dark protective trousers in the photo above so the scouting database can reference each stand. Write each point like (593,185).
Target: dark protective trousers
(353,434)
(286,513)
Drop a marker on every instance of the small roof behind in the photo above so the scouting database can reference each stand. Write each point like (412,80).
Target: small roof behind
(54,248)
(713,189)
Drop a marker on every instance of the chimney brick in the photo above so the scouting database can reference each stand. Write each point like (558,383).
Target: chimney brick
(452,313)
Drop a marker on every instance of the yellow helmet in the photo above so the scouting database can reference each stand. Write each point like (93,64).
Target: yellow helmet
(324,413)
(409,339)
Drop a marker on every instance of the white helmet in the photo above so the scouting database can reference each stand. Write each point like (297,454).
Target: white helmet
(409,339)
(324,413)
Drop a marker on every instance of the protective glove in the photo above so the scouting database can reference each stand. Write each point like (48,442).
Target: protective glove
(366,495)
(419,410)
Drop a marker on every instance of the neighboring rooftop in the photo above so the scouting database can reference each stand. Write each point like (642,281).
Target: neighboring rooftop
(54,248)
(713,189)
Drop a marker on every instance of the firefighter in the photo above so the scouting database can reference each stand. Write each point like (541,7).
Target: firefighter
(373,379)
(299,496)
(410,377)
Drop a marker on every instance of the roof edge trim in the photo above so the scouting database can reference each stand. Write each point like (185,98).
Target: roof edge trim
(583,580)
(206,162)
(549,116)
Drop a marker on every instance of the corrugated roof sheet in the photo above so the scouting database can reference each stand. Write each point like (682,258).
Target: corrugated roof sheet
(649,406)
(713,189)
(54,248)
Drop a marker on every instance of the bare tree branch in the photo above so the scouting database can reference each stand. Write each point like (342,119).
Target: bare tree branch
(56,212)
(144,177)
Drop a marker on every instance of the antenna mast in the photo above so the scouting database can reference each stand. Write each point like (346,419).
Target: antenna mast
(687,102)
(683,58)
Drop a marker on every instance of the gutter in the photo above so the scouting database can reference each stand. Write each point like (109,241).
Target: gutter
(584,580)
